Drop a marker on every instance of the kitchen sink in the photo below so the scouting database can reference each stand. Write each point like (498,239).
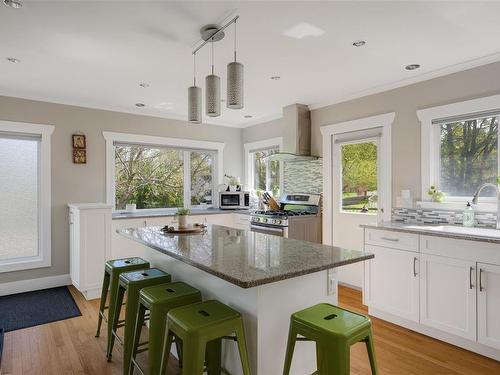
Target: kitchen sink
(473,231)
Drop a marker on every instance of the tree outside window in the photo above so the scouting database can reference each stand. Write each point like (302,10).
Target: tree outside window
(359,177)
(266,173)
(468,156)
(154,177)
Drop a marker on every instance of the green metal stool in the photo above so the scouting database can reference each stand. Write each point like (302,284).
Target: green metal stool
(159,300)
(132,283)
(112,270)
(334,330)
(201,328)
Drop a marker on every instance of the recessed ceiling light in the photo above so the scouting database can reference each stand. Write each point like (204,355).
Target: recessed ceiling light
(144,85)
(412,66)
(248,116)
(303,30)
(140,104)
(13,60)
(13,3)
(275,78)
(358,43)
(165,105)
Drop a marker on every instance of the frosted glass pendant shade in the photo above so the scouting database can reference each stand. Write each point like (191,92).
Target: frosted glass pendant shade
(234,85)
(194,104)
(212,95)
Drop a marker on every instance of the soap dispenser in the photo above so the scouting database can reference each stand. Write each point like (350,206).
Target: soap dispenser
(468,220)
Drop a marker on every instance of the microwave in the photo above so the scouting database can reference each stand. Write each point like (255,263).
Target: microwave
(234,200)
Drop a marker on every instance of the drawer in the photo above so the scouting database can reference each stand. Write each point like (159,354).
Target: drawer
(394,240)
(475,251)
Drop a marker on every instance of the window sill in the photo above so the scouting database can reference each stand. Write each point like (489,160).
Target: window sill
(456,206)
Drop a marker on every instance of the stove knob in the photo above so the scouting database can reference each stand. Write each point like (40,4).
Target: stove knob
(264,220)
(278,221)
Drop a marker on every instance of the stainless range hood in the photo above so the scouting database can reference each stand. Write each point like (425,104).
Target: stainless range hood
(296,135)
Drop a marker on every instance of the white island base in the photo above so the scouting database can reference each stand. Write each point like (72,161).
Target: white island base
(266,310)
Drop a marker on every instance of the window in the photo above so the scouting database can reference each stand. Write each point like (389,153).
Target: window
(24,196)
(266,173)
(359,177)
(263,174)
(154,177)
(460,143)
(468,156)
(158,173)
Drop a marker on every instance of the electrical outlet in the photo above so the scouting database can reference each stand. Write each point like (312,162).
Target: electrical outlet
(332,282)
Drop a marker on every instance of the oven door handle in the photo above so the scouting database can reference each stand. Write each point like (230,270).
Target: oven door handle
(262,228)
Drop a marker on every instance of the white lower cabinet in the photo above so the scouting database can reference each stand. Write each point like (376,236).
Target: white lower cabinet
(448,295)
(446,288)
(488,304)
(391,281)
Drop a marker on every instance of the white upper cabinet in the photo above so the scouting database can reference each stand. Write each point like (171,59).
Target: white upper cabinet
(448,295)
(488,304)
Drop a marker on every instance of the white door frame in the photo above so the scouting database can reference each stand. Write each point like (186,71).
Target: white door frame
(328,133)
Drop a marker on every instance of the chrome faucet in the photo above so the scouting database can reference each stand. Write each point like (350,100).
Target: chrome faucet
(497,189)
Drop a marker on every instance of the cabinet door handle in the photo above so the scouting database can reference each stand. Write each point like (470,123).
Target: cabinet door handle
(471,269)
(390,239)
(481,288)
(414,266)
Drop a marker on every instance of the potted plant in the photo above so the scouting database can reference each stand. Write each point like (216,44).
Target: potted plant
(182,214)
(436,194)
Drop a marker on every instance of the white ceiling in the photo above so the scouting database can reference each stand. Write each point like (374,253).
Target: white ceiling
(95,54)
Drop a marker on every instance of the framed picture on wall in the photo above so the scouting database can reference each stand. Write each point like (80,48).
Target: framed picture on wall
(79,141)
(80,156)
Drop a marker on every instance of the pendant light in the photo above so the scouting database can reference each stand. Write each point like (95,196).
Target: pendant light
(234,81)
(194,98)
(212,91)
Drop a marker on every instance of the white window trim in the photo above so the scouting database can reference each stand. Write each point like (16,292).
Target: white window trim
(430,145)
(255,146)
(328,133)
(44,258)
(112,137)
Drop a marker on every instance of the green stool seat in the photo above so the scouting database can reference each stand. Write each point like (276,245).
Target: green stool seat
(334,330)
(201,327)
(132,283)
(112,270)
(159,300)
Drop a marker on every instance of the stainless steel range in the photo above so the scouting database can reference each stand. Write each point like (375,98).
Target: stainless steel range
(299,217)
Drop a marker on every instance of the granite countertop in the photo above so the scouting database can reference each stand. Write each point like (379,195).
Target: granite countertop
(442,230)
(171,212)
(245,258)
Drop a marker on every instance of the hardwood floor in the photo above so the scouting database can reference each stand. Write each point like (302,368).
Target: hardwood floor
(69,347)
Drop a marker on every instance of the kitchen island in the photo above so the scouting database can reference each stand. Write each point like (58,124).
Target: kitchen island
(263,276)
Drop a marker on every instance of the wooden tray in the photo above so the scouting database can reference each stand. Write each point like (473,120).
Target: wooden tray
(177,230)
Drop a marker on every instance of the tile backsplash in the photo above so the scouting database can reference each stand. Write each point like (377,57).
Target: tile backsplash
(428,216)
(303,176)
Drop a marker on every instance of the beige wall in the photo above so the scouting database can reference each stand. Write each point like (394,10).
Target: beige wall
(405,101)
(86,183)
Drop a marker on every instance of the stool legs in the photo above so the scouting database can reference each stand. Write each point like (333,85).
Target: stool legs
(113,290)
(102,305)
(113,324)
(167,343)
(333,359)
(242,347)
(128,330)
(155,346)
(213,354)
(137,335)
(196,348)
(292,336)
(371,353)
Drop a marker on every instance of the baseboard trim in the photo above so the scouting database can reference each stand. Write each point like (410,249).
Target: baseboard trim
(347,285)
(34,284)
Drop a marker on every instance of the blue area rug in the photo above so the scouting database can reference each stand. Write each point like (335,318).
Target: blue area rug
(30,309)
